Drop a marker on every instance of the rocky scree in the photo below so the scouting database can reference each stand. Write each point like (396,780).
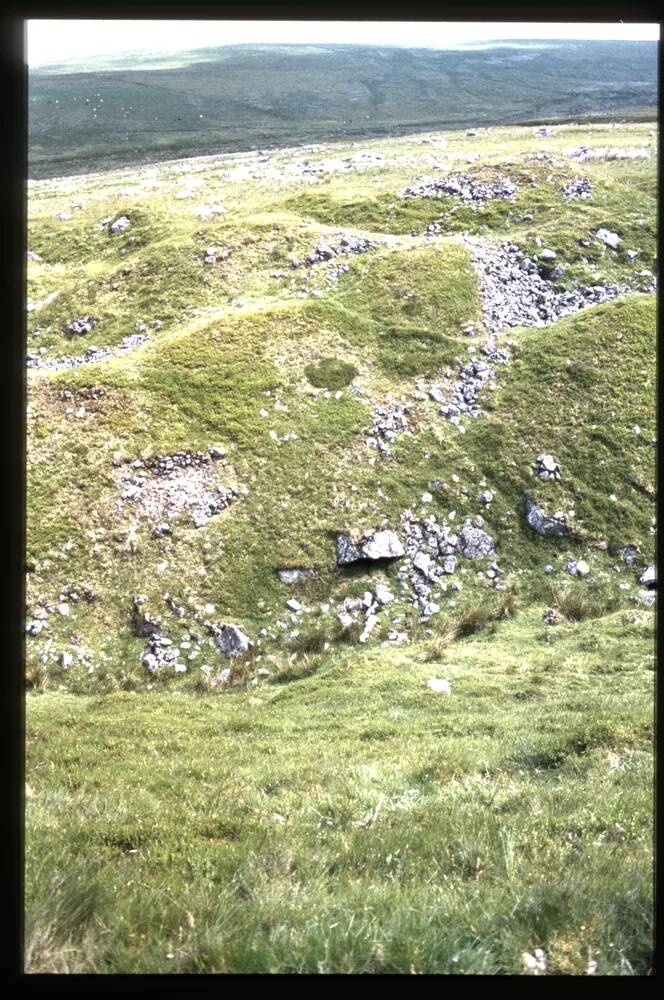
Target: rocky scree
(163,487)
(92,355)
(325,252)
(467,189)
(514,293)
(389,421)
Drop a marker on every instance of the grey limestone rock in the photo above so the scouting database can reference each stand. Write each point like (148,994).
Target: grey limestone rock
(474,543)
(347,551)
(542,523)
(609,238)
(384,544)
(120,225)
(230,639)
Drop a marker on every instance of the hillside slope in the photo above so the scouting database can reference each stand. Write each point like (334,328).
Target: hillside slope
(380,415)
(100,115)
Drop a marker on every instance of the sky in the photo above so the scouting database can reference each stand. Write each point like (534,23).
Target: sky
(50,41)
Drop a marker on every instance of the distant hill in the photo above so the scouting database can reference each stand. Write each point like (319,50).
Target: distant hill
(112,112)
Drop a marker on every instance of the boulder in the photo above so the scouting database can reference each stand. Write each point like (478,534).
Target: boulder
(474,543)
(609,238)
(120,225)
(384,544)
(345,620)
(649,578)
(347,551)
(383,595)
(231,640)
(369,626)
(422,562)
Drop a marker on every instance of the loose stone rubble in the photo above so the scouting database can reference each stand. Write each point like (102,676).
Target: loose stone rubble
(161,488)
(388,422)
(460,399)
(326,252)
(514,293)
(92,355)
(581,188)
(432,553)
(467,189)
(581,153)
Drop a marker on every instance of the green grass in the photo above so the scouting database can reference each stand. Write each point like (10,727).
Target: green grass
(330,373)
(334,814)
(352,820)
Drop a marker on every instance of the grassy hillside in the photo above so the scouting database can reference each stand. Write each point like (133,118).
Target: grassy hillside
(316,804)
(95,116)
